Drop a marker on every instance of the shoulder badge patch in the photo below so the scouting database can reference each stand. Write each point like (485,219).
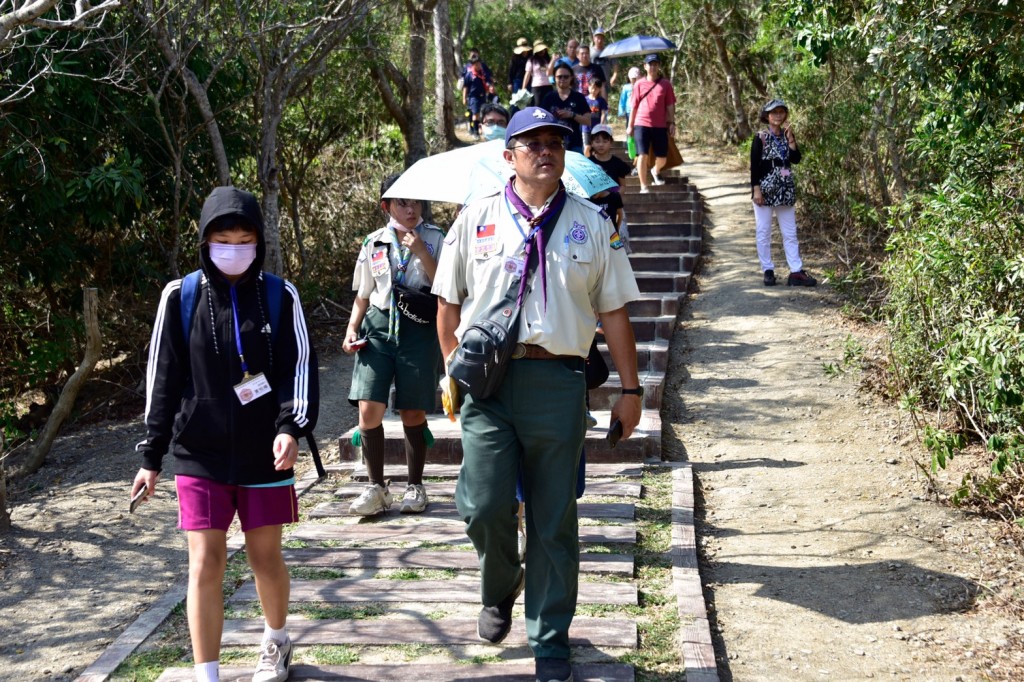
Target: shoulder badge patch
(578,233)
(615,241)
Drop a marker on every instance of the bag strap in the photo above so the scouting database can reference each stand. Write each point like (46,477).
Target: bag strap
(649,90)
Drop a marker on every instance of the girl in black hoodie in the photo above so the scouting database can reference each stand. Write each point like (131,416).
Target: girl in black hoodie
(229,398)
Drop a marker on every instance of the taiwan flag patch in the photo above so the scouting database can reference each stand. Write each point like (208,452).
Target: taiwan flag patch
(615,241)
(484,231)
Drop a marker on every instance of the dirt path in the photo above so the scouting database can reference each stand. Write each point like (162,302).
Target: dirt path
(823,557)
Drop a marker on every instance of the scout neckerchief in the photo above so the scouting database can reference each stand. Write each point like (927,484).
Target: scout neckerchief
(535,235)
(404,256)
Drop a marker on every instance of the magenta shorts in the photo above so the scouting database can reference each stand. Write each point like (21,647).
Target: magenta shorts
(204,504)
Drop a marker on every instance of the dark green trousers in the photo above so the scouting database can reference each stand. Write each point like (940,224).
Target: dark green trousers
(535,423)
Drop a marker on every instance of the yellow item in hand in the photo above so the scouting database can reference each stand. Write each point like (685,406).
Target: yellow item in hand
(449,396)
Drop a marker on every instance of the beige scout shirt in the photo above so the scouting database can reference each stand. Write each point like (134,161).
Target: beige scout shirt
(585,274)
(378,261)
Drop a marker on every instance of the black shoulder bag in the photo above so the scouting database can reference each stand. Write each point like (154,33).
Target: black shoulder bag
(486,348)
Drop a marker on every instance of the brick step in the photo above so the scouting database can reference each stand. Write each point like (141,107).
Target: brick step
(585,631)
(662,282)
(605,395)
(642,230)
(392,557)
(650,355)
(451,471)
(390,528)
(653,328)
(654,304)
(659,245)
(595,488)
(598,511)
(455,591)
(671,180)
(671,209)
(645,441)
(421,672)
(658,195)
(666,261)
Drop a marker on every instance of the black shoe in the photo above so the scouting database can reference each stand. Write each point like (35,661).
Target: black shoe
(801,279)
(494,622)
(769,278)
(553,670)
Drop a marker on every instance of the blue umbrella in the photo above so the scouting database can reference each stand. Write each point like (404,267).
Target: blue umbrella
(634,45)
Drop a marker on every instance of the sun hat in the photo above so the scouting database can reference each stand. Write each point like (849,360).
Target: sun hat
(633,72)
(773,104)
(522,45)
(532,118)
(539,45)
(602,128)
(652,58)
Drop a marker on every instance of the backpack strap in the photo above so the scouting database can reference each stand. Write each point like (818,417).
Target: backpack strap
(190,285)
(274,286)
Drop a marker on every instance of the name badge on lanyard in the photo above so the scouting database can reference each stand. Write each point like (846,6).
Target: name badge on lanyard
(252,388)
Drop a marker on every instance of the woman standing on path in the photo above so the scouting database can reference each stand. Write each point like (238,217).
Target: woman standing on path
(229,397)
(393,333)
(772,153)
(652,120)
(536,77)
(569,106)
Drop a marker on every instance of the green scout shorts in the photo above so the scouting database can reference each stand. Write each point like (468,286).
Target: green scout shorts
(412,364)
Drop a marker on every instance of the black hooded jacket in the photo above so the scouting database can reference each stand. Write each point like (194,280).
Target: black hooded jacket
(191,406)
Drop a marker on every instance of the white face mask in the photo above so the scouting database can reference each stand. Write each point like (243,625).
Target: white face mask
(232,259)
(493,132)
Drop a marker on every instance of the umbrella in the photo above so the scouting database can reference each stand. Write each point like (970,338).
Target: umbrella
(634,45)
(461,175)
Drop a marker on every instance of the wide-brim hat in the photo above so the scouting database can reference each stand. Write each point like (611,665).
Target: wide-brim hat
(522,45)
(539,45)
(532,118)
(773,104)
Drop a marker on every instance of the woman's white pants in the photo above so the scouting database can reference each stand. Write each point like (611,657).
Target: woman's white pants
(787,226)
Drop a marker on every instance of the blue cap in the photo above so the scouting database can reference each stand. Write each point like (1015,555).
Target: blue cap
(532,118)
(651,58)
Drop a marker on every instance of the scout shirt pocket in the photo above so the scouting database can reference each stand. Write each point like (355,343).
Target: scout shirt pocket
(488,254)
(578,250)
(380,265)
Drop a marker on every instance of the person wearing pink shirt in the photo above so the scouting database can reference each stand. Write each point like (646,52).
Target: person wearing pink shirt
(652,120)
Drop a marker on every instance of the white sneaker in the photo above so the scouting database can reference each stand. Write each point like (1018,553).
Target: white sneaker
(645,189)
(656,179)
(275,659)
(591,420)
(375,499)
(414,500)
(522,546)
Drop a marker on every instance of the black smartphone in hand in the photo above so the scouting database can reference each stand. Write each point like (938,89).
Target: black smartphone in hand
(614,433)
(137,499)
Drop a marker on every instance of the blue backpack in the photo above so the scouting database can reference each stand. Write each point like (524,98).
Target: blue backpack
(274,288)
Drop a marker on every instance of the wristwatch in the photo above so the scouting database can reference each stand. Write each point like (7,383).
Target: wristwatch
(638,391)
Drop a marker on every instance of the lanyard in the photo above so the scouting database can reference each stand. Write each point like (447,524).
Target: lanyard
(238,332)
(526,237)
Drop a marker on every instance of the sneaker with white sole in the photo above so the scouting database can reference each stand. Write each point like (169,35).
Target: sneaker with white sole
(374,499)
(522,545)
(275,660)
(656,179)
(644,189)
(414,500)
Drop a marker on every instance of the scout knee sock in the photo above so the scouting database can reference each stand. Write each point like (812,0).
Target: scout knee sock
(373,453)
(416,451)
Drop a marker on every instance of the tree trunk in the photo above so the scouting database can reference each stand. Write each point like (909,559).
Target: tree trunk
(270,183)
(444,58)
(5,513)
(877,112)
(66,402)
(419,28)
(460,40)
(741,125)
(895,146)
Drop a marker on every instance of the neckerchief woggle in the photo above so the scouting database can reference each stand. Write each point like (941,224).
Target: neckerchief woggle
(404,256)
(536,234)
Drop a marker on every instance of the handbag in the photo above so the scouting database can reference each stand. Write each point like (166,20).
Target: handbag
(596,369)
(419,305)
(673,158)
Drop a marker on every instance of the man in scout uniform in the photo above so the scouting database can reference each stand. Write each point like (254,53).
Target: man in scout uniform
(535,421)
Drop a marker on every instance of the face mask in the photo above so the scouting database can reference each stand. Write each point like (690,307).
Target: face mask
(232,259)
(494,132)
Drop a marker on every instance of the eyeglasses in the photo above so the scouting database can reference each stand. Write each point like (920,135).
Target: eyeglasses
(493,121)
(536,146)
